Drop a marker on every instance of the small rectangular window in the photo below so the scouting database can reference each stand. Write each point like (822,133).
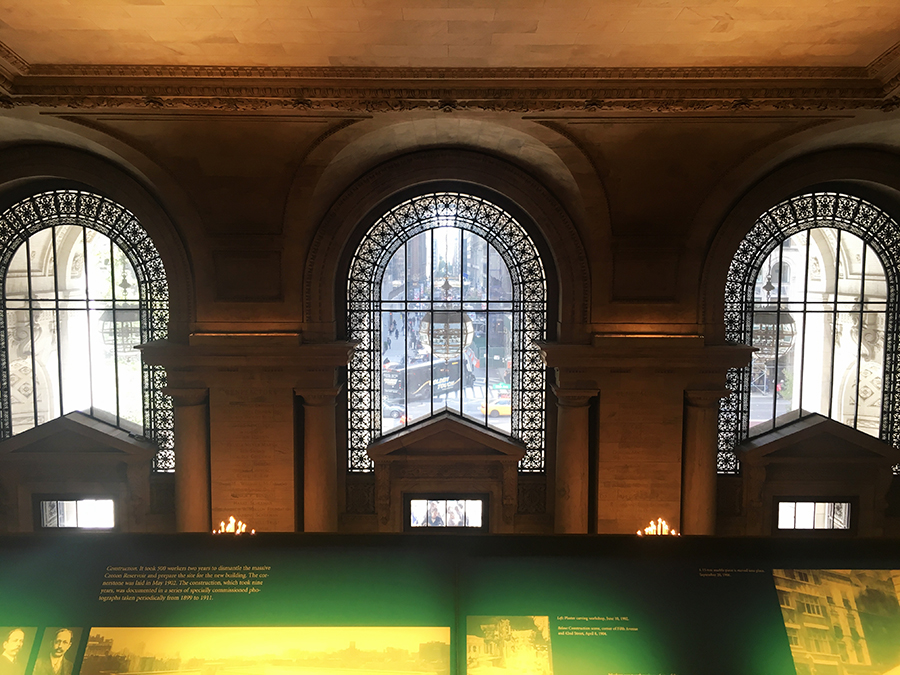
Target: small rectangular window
(86,514)
(446,512)
(797,515)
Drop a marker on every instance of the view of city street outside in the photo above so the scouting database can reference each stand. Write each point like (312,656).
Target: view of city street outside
(446,330)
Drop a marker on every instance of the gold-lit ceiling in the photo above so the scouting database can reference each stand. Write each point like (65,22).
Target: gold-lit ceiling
(451,33)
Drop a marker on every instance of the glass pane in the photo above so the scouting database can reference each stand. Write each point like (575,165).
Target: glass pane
(417,374)
(99,267)
(500,282)
(21,380)
(418,510)
(125,279)
(67,513)
(71,270)
(17,274)
(128,365)
(805,516)
(499,376)
(393,380)
(393,283)
(437,513)
(76,370)
(42,266)
(786,515)
(103,366)
(445,384)
(456,513)
(474,267)
(96,513)
(475,364)
(49,516)
(418,263)
(473,512)
(447,263)
(851,267)
(841,516)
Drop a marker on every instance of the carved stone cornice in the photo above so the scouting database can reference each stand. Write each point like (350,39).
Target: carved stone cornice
(658,353)
(318,397)
(17,63)
(187,397)
(705,398)
(364,73)
(375,90)
(246,354)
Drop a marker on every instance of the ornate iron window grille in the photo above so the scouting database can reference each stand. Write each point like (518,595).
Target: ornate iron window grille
(93,212)
(806,212)
(529,310)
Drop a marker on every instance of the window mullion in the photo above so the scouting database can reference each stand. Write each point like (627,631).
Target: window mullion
(31,309)
(115,325)
(860,332)
(56,301)
(805,319)
(834,319)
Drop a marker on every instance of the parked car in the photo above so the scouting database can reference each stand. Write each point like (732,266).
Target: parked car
(395,412)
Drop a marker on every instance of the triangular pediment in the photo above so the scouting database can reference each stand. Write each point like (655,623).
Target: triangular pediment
(446,435)
(816,437)
(73,434)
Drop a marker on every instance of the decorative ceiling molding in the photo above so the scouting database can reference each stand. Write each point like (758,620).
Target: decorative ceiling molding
(480,74)
(233,103)
(17,63)
(374,90)
(888,62)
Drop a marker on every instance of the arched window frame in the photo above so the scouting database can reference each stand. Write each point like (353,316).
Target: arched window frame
(94,212)
(367,267)
(837,210)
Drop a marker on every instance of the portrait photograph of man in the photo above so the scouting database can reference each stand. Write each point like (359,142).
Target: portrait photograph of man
(16,647)
(57,653)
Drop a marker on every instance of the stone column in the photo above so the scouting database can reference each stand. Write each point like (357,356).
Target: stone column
(320,502)
(192,504)
(698,485)
(572,447)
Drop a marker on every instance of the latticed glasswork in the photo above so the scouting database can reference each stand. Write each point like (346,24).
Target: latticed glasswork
(447,298)
(812,287)
(82,285)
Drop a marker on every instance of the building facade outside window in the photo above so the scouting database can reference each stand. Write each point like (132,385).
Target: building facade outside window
(813,288)
(83,284)
(447,298)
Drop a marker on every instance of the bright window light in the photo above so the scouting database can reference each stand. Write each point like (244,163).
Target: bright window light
(87,514)
(813,516)
(445,512)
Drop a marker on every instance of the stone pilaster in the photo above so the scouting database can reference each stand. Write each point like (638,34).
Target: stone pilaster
(698,495)
(320,502)
(572,447)
(192,493)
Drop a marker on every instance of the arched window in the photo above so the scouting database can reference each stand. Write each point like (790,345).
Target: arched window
(447,298)
(813,286)
(83,284)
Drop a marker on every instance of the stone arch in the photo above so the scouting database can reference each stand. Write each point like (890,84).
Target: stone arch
(345,223)
(27,170)
(871,174)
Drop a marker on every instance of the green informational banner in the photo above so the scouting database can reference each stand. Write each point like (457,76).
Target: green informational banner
(106,604)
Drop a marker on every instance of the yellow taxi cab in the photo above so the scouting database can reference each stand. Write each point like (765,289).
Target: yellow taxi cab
(496,408)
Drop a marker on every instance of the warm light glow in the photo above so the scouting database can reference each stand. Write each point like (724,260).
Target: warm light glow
(658,526)
(232,527)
